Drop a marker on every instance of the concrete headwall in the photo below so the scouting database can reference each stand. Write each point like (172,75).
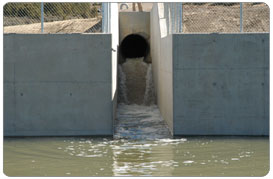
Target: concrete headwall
(221,84)
(134,23)
(57,84)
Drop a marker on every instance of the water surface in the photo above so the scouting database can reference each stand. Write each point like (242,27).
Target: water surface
(190,156)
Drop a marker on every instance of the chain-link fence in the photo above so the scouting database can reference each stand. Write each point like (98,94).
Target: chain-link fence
(180,17)
(211,17)
(216,17)
(52,18)
(255,17)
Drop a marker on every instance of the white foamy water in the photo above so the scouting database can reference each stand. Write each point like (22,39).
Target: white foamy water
(137,115)
(149,96)
(122,86)
(136,82)
(140,122)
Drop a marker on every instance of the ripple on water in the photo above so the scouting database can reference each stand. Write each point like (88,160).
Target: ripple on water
(127,157)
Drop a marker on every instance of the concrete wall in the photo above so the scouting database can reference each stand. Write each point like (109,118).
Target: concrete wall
(161,52)
(57,84)
(221,84)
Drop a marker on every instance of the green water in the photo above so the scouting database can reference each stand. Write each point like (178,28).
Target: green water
(190,156)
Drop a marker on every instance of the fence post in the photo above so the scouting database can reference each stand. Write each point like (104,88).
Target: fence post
(173,17)
(177,21)
(105,17)
(241,17)
(42,17)
(167,11)
(109,19)
(181,18)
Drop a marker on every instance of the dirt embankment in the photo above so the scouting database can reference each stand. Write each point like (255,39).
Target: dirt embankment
(220,17)
(66,26)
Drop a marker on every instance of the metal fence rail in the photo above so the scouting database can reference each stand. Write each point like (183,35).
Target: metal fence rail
(52,17)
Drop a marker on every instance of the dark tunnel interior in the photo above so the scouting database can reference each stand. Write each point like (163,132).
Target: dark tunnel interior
(134,46)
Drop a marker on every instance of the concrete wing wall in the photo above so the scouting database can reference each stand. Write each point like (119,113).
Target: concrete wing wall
(57,84)
(162,63)
(115,43)
(221,84)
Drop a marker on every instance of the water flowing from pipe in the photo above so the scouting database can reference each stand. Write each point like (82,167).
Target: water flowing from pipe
(122,97)
(136,82)
(138,117)
(149,96)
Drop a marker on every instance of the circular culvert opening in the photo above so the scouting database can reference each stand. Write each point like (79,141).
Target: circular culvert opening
(134,46)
